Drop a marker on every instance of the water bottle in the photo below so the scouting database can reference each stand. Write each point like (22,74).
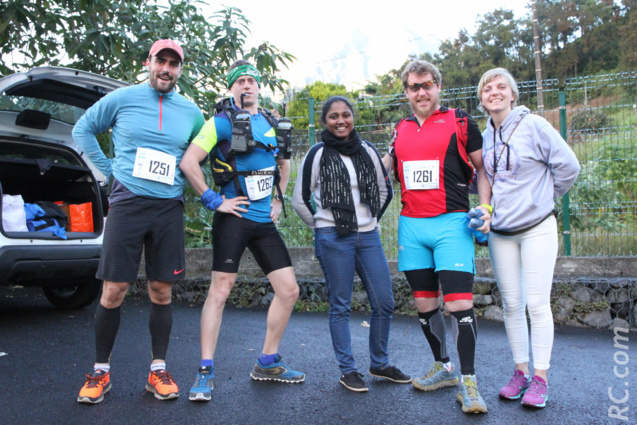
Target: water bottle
(475,221)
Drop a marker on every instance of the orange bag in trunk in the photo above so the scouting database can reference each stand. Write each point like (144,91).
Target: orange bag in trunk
(81,217)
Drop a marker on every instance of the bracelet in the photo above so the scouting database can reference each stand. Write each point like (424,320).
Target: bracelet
(488,207)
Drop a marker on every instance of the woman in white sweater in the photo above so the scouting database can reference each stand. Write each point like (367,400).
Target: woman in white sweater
(528,165)
(344,177)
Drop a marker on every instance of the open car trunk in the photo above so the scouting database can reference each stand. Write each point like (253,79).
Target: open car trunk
(46,172)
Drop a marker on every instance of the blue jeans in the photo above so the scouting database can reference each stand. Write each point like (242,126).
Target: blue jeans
(339,258)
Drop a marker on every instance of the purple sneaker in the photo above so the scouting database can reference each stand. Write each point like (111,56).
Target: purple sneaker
(516,386)
(537,394)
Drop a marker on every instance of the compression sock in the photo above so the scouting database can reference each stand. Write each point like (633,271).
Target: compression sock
(433,326)
(106,327)
(466,336)
(160,324)
(267,359)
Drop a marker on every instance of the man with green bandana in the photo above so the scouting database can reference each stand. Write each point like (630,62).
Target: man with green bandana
(245,216)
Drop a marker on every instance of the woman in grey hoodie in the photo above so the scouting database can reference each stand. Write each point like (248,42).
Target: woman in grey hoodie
(529,165)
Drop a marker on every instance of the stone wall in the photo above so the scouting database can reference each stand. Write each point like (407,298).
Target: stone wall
(596,292)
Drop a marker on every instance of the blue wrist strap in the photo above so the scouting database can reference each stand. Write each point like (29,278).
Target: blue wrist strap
(211,199)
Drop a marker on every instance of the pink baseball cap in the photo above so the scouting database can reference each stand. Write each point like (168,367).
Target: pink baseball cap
(160,45)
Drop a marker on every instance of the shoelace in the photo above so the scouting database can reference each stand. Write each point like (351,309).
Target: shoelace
(435,369)
(93,381)
(164,377)
(472,390)
(519,381)
(536,388)
(203,378)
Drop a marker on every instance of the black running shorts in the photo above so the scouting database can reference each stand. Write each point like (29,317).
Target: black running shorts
(155,225)
(231,235)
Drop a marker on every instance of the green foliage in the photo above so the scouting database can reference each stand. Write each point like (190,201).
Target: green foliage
(113,38)
(319,91)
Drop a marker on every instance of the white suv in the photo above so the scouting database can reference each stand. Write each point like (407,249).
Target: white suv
(40,162)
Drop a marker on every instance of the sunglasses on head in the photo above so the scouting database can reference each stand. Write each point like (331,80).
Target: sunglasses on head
(414,87)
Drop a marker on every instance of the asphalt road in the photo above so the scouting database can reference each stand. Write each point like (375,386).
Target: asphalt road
(45,353)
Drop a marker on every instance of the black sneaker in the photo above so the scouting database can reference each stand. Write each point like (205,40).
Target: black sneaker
(392,373)
(353,381)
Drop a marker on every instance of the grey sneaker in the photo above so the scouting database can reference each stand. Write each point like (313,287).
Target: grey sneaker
(353,381)
(437,377)
(469,397)
(202,388)
(277,371)
(392,373)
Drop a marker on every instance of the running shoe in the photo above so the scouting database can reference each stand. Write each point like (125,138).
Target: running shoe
(437,377)
(353,381)
(162,385)
(276,371)
(516,386)
(392,373)
(537,394)
(203,386)
(469,397)
(97,384)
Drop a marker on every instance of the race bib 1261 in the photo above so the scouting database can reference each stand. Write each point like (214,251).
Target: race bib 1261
(421,175)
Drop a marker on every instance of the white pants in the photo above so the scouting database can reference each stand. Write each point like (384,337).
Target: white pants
(523,266)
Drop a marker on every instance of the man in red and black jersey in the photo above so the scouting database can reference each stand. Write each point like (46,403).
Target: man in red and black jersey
(433,153)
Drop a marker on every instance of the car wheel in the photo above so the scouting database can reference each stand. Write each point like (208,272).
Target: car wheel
(71,297)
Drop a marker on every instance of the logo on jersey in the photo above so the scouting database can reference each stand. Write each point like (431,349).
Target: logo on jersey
(466,319)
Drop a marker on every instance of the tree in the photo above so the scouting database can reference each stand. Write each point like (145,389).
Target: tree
(319,91)
(113,38)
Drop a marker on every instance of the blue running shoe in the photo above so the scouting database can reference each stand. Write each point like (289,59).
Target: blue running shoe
(437,377)
(276,371)
(202,388)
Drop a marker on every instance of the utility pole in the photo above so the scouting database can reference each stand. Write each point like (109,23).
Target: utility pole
(538,60)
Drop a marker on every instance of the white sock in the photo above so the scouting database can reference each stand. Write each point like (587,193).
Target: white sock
(157,366)
(448,366)
(468,376)
(102,366)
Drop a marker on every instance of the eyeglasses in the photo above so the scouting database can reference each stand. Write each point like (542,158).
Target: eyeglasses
(414,87)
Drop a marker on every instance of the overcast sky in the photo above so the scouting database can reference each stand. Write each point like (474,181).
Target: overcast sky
(350,42)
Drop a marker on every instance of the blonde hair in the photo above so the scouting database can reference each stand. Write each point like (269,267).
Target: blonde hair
(491,75)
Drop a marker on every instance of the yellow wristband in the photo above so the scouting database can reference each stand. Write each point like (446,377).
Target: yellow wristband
(488,207)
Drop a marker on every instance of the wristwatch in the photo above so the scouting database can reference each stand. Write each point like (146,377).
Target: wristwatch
(278,198)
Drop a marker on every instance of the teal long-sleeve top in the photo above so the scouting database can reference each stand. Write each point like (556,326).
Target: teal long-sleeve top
(140,117)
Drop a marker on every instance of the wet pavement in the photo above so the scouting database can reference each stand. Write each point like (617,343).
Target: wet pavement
(45,353)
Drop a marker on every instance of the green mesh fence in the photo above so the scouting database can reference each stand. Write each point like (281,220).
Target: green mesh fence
(601,120)
(601,117)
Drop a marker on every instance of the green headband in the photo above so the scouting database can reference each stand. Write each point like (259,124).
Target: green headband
(241,70)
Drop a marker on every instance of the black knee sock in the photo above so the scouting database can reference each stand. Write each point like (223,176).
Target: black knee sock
(160,324)
(106,327)
(433,326)
(466,336)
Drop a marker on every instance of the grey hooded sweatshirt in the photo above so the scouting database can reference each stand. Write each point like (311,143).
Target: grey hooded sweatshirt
(535,167)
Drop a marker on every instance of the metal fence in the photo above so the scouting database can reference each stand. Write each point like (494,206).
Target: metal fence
(597,115)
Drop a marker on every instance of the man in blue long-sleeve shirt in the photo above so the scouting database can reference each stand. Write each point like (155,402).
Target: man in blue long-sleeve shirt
(152,126)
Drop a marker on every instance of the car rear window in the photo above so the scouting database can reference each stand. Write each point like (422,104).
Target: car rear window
(59,111)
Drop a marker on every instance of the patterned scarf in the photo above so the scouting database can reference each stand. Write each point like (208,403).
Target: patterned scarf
(336,189)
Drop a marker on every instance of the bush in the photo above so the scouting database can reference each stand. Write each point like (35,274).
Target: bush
(591,121)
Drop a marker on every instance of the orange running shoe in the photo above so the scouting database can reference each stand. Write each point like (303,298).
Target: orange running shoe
(162,385)
(97,384)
